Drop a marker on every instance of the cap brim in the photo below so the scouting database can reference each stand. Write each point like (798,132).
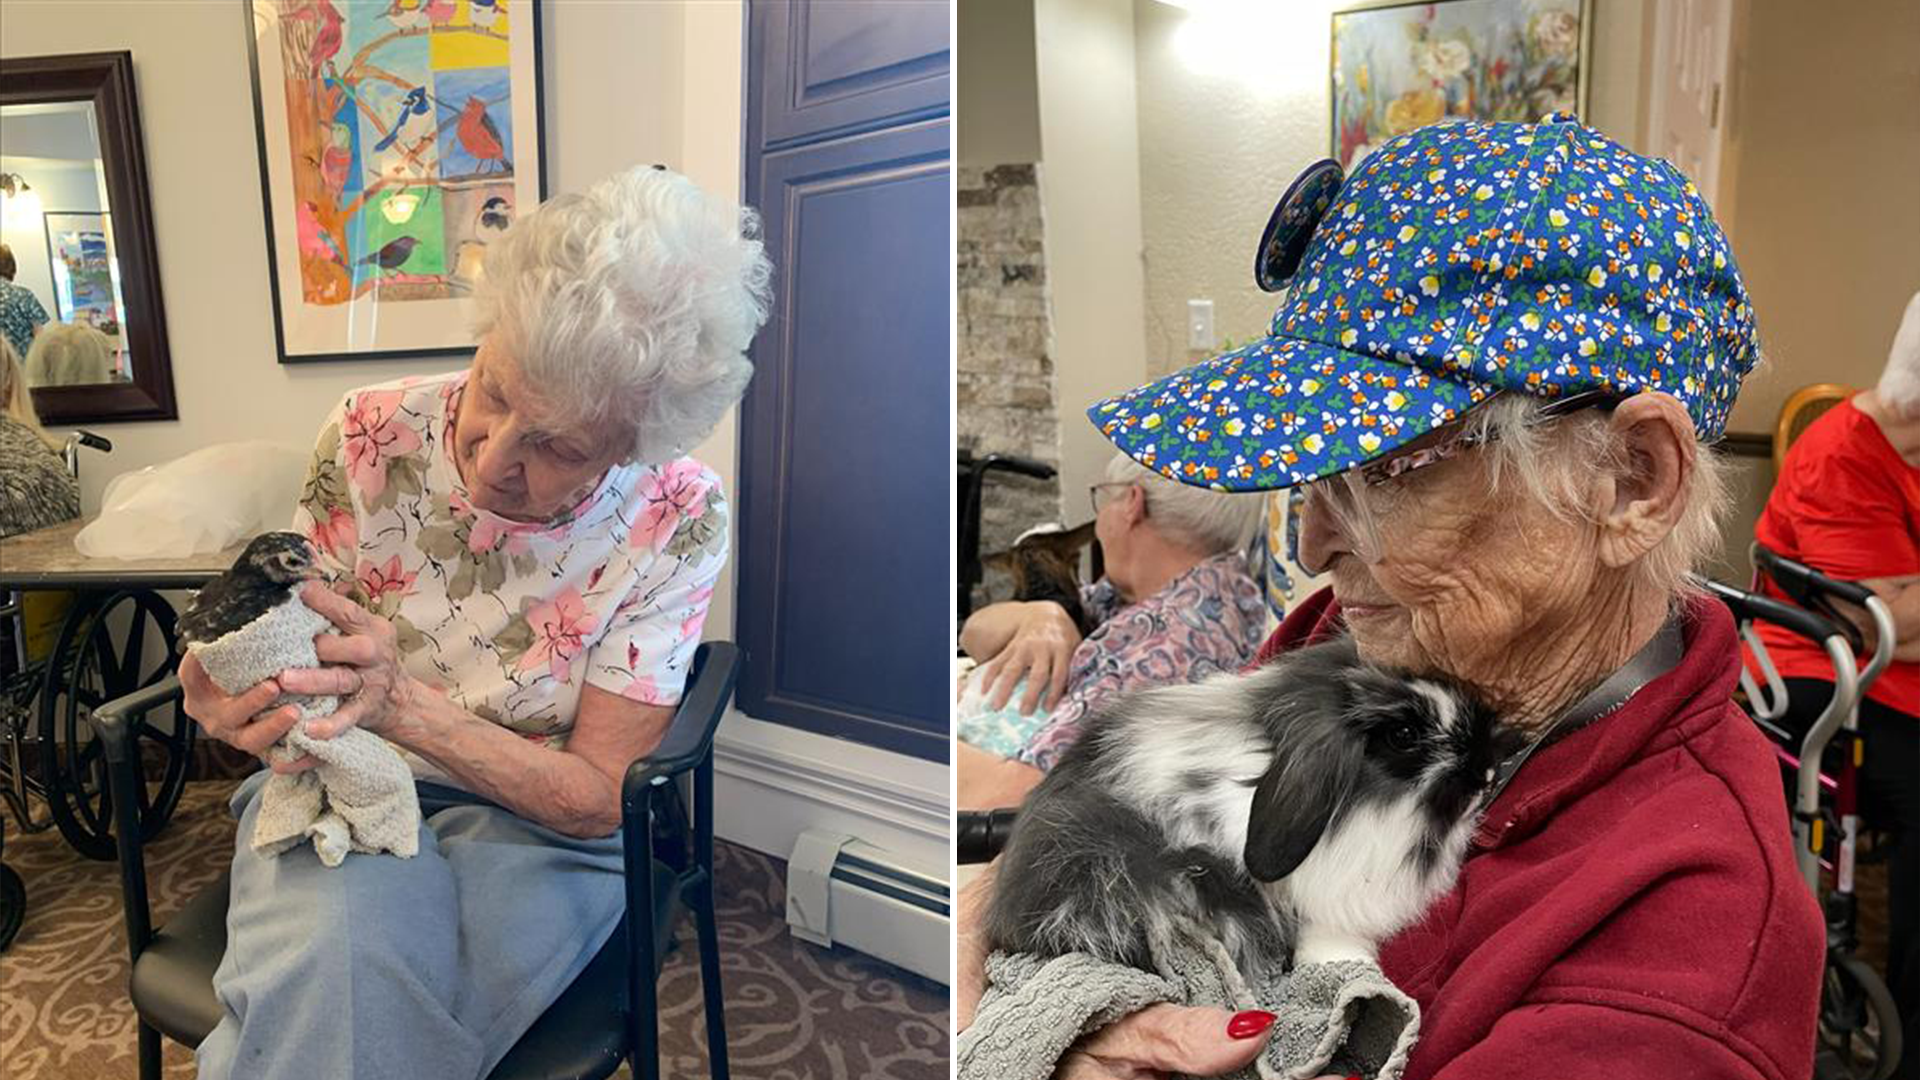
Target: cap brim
(1279,412)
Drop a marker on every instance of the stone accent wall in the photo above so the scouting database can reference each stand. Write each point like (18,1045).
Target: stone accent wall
(1005,382)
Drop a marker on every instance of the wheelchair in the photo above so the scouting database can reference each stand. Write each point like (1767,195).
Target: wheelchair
(972,482)
(110,642)
(1859,1026)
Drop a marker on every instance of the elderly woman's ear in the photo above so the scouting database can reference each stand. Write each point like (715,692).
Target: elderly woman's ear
(1640,504)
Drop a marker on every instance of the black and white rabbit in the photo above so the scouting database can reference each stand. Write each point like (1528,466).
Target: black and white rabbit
(1307,811)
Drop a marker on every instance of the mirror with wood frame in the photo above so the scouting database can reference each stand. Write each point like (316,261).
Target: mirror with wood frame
(79,278)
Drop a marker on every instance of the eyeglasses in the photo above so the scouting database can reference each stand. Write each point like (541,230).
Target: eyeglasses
(1380,472)
(1093,493)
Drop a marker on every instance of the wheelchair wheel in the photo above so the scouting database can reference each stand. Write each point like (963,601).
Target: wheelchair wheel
(13,905)
(1859,1026)
(13,896)
(102,654)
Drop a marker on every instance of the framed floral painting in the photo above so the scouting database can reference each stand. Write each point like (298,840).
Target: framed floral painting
(1400,66)
(397,139)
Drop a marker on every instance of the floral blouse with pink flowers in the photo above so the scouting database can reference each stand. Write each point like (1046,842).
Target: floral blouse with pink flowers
(1207,620)
(511,619)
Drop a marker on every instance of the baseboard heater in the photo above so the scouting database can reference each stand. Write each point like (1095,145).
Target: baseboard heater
(845,891)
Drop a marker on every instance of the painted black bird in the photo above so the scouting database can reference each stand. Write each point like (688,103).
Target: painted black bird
(394,255)
(262,578)
(496,213)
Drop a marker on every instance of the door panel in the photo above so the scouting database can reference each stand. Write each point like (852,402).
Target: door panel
(845,433)
(836,66)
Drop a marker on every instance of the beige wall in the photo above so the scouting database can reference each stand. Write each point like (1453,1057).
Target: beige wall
(997,106)
(1217,147)
(1232,107)
(1090,198)
(1824,150)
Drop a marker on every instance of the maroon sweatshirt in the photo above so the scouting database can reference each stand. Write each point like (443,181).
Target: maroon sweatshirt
(1629,909)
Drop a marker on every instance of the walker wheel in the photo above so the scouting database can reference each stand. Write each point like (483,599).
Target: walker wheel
(1859,1025)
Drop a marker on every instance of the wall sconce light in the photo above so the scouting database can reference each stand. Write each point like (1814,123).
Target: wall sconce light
(399,207)
(19,203)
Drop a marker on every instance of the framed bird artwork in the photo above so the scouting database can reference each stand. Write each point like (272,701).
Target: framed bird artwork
(397,139)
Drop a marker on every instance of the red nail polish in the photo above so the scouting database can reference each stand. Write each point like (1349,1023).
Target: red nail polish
(1245,1025)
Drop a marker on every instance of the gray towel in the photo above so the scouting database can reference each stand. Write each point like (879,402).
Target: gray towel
(1341,1018)
(361,796)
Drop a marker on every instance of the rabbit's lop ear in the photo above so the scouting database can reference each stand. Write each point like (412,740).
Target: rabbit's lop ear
(1292,805)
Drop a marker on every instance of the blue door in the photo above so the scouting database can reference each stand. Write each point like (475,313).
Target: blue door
(846,440)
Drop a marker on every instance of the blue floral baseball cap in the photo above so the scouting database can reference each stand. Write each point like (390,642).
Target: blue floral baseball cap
(1459,261)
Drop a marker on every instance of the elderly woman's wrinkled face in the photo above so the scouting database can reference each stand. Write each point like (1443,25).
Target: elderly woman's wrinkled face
(521,458)
(1455,581)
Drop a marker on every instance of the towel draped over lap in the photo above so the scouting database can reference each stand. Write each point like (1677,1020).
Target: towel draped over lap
(1342,1018)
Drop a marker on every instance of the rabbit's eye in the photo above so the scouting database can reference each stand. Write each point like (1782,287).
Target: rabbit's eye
(1402,738)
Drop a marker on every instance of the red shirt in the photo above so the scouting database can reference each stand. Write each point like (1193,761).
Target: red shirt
(1629,909)
(1847,505)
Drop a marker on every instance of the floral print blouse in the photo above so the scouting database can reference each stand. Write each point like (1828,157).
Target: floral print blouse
(512,619)
(1209,619)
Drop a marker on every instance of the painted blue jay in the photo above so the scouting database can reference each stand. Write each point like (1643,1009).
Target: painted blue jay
(414,104)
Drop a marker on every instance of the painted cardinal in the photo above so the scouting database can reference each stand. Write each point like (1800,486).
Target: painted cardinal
(326,42)
(477,134)
(440,12)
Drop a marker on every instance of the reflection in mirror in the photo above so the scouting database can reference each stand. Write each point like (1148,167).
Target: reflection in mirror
(81,297)
(60,299)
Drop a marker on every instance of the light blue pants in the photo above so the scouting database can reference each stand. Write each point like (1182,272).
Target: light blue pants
(423,968)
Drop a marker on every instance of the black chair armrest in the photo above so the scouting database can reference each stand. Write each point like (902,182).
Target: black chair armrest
(688,745)
(114,724)
(114,721)
(689,739)
(980,835)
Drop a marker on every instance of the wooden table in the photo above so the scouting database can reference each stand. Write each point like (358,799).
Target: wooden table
(47,559)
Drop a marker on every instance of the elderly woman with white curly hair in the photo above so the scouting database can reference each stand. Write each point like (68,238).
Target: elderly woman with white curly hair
(527,557)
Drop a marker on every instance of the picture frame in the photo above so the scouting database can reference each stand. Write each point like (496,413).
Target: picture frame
(81,260)
(396,139)
(84,268)
(1396,66)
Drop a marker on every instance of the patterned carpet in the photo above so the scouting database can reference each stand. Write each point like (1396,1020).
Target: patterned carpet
(794,1011)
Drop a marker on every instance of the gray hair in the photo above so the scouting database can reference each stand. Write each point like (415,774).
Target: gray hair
(632,305)
(1551,464)
(1211,521)
(69,354)
(1899,388)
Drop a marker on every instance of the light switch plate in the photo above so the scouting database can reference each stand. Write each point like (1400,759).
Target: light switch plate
(1199,324)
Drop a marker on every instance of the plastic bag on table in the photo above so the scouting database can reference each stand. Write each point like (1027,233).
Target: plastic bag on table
(203,502)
